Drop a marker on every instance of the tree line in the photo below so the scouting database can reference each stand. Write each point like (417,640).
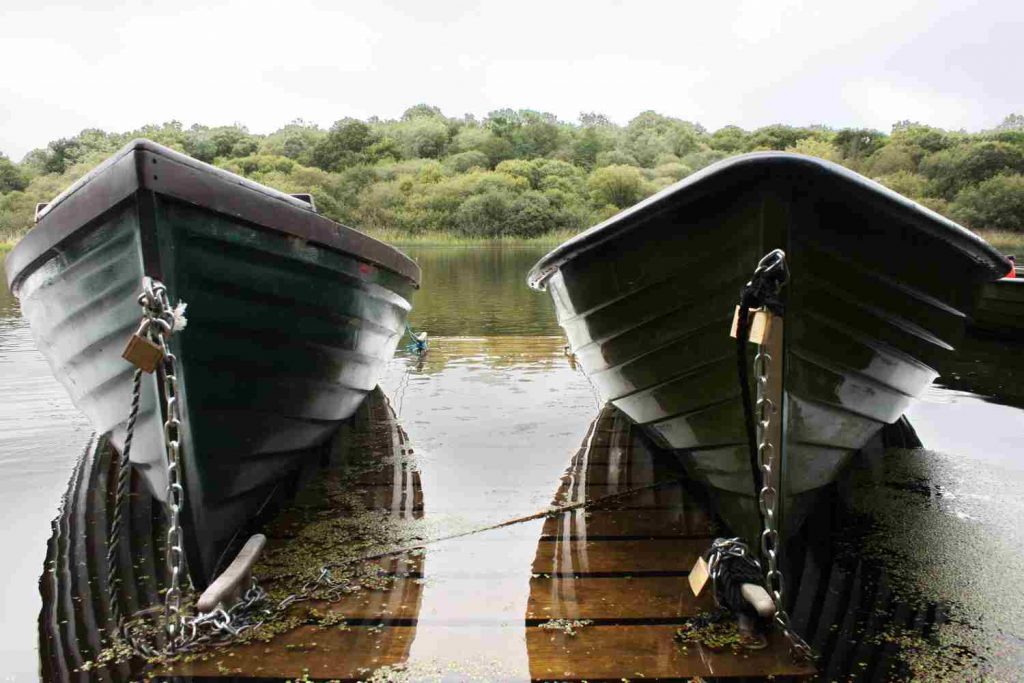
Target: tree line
(524,173)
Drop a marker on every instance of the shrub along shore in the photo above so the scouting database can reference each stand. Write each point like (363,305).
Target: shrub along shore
(520,176)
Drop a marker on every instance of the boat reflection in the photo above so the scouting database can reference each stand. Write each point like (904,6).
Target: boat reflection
(990,366)
(609,586)
(353,514)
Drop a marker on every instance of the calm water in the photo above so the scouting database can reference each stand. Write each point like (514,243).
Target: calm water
(495,413)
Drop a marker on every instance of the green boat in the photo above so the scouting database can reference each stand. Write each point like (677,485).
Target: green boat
(879,289)
(1001,309)
(291,319)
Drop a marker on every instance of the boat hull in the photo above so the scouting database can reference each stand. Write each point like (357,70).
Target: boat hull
(1001,309)
(647,308)
(285,338)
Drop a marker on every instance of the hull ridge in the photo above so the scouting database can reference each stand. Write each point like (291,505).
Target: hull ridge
(291,320)
(646,300)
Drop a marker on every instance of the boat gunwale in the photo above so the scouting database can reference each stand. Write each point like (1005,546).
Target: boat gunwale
(756,166)
(128,172)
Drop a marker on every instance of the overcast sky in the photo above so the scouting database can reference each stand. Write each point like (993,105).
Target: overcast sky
(116,66)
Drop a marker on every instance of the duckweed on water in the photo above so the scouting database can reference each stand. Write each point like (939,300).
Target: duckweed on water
(569,627)
(713,630)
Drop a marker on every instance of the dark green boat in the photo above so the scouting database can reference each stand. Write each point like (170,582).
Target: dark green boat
(879,290)
(291,318)
(1001,309)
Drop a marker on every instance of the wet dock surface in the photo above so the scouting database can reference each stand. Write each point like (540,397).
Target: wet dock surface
(610,552)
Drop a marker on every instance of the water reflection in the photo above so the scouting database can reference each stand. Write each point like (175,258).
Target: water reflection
(990,367)
(495,420)
(41,435)
(480,291)
(610,584)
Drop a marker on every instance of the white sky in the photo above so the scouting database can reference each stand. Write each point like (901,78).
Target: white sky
(118,65)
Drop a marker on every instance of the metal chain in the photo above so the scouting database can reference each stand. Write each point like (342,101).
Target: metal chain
(768,501)
(175,550)
(159,321)
(181,632)
(161,316)
(211,628)
(222,625)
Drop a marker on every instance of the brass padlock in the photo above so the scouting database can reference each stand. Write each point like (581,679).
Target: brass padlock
(759,328)
(142,352)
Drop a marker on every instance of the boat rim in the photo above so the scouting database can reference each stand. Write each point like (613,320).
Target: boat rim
(197,183)
(708,178)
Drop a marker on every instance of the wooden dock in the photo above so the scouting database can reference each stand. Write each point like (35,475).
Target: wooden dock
(413,599)
(617,558)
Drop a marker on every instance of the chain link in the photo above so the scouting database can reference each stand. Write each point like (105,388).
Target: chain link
(160,314)
(768,501)
(159,321)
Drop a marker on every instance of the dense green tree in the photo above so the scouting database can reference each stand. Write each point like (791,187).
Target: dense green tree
(615,157)
(421,137)
(422,111)
(822,149)
(699,160)
(207,144)
(170,134)
(464,161)
(906,183)
(778,137)
(953,169)
(732,139)
(619,186)
(595,136)
(858,143)
(651,135)
(344,145)
(258,164)
(485,215)
(896,157)
(12,178)
(922,139)
(995,204)
(296,141)
(540,135)
(478,139)
(529,133)
(525,173)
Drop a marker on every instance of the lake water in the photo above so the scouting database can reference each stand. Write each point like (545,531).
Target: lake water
(495,412)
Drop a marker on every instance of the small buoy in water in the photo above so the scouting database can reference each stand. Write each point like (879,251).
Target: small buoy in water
(418,345)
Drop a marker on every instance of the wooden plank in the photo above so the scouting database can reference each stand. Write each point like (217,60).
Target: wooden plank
(632,470)
(690,522)
(386,475)
(400,602)
(323,652)
(628,652)
(641,597)
(400,565)
(670,494)
(596,652)
(496,600)
(623,557)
